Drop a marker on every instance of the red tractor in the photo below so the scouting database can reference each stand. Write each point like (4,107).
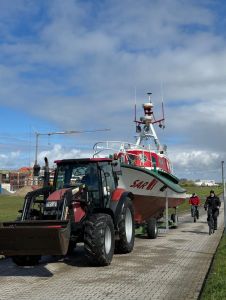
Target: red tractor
(83,205)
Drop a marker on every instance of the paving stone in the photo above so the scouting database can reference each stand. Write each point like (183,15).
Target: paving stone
(173,266)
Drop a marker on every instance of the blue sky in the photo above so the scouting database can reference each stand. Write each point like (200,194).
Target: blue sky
(74,65)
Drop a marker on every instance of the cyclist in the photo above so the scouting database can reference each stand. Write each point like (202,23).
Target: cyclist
(212,206)
(194,201)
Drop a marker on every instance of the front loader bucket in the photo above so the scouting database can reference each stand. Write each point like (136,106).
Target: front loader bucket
(34,237)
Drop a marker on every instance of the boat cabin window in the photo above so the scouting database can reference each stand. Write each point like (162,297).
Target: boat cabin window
(143,158)
(131,159)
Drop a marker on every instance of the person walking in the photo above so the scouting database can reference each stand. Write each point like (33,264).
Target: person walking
(212,205)
(194,201)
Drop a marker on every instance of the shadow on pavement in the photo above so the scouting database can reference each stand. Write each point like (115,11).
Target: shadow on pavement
(77,258)
(196,232)
(8,268)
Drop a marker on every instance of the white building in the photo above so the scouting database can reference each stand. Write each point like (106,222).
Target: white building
(206,183)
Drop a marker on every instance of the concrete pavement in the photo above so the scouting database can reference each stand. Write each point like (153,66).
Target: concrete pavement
(173,266)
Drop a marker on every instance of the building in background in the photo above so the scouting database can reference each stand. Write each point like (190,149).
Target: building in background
(12,180)
(206,183)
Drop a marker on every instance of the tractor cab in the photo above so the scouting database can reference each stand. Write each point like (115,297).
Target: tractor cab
(95,176)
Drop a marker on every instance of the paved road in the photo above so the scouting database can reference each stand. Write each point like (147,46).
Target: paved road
(171,267)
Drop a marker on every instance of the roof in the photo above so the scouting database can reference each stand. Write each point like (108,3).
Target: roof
(82,160)
(25,169)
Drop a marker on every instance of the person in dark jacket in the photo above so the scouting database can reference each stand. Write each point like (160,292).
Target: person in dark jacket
(212,206)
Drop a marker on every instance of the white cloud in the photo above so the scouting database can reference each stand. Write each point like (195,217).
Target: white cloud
(80,66)
(195,159)
(197,163)
(58,152)
(9,160)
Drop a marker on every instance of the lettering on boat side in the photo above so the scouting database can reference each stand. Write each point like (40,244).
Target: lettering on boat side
(139,184)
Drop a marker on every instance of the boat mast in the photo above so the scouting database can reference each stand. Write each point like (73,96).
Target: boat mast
(147,130)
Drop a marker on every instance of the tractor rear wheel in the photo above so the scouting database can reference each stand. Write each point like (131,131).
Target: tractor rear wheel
(26,260)
(126,229)
(152,229)
(99,239)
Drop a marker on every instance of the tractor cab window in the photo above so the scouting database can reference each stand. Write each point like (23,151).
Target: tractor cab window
(72,175)
(91,178)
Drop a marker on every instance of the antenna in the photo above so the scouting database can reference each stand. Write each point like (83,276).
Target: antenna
(163,112)
(135,108)
(38,134)
(149,96)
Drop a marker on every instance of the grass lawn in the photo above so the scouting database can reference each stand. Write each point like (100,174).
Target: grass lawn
(215,285)
(9,206)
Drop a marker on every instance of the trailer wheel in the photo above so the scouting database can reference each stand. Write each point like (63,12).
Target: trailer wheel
(126,229)
(26,260)
(152,229)
(99,239)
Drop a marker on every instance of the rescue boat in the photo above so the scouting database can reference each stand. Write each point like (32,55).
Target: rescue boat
(146,170)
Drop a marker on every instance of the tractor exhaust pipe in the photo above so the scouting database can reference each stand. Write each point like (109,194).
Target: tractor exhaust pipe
(46,173)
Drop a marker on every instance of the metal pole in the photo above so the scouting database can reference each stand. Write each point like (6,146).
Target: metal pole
(167,211)
(222,165)
(36,148)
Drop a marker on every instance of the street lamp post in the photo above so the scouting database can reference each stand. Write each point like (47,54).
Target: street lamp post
(222,167)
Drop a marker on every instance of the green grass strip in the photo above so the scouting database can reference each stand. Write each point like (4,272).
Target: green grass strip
(215,284)
(9,206)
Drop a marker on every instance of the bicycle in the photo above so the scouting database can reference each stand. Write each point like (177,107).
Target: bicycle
(195,212)
(210,221)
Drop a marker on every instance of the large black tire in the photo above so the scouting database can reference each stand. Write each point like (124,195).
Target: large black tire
(152,229)
(126,229)
(99,239)
(71,248)
(26,260)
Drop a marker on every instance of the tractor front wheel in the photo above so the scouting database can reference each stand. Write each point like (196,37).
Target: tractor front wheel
(99,239)
(26,260)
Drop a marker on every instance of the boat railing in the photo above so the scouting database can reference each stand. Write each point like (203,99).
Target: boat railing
(116,147)
(113,147)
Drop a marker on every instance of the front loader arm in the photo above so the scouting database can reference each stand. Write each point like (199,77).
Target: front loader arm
(30,199)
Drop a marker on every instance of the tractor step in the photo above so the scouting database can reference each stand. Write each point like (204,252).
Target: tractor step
(34,237)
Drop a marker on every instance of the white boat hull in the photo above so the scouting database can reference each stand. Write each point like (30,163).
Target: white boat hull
(150,192)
